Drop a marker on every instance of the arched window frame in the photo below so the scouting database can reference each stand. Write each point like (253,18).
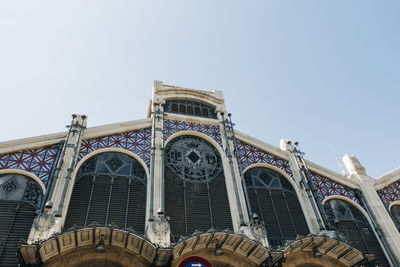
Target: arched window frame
(364,220)
(218,150)
(77,175)
(19,208)
(289,187)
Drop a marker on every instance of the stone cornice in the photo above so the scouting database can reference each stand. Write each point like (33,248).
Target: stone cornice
(51,139)
(387,179)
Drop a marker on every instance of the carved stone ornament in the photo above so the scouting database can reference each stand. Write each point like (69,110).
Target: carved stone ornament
(192,158)
(44,221)
(160,226)
(258,230)
(353,165)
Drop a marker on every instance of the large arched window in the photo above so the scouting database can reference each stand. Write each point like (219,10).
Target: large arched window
(20,197)
(354,229)
(110,188)
(274,200)
(195,190)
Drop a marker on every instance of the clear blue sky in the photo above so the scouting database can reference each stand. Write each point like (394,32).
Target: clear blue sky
(324,73)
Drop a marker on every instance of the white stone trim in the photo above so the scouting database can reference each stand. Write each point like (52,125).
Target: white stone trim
(387,179)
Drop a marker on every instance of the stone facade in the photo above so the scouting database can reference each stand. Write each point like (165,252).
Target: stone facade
(260,184)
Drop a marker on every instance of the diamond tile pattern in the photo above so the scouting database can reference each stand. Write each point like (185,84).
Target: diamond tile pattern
(250,155)
(171,127)
(326,188)
(38,161)
(138,142)
(390,193)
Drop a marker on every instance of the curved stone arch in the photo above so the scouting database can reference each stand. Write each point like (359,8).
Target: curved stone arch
(272,167)
(25,173)
(238,250)
(332,252)
(353,203)
(201,135)
(77,248)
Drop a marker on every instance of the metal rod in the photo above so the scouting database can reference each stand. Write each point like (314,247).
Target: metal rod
(275,213)
(51,181)
(228,152)
(184,205)
(209,205)
(236,151)
(90,197)
(314,193)
(290,214)
(127,201)
(310,196)
(109,199)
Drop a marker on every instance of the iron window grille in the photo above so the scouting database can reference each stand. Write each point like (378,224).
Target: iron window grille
(353,229)
(195,190)
(20,197)
(273,198)
(191,108)
(110,189)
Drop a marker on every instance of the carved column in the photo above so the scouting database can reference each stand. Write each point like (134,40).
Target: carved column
(52,219)
(382,223)
(234,186)
(307,201)
(158,229)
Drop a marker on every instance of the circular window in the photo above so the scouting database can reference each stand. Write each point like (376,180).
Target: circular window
(193,158)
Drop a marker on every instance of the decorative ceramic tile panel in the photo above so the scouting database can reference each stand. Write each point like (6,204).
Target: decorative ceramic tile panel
(171,127)
(38,161)
(326,188)
(390,193)
(250,155)
(138,142)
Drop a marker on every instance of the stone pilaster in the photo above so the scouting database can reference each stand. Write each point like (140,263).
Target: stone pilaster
(52,219)
(158,230)
(234,186)
(386,229)
(308,203)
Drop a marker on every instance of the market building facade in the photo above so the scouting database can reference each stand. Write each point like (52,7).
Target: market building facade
(184,188)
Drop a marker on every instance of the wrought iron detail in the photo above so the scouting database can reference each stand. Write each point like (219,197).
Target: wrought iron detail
(114,163)
(9,186)
(353,228)
(193,158)
(33,194)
